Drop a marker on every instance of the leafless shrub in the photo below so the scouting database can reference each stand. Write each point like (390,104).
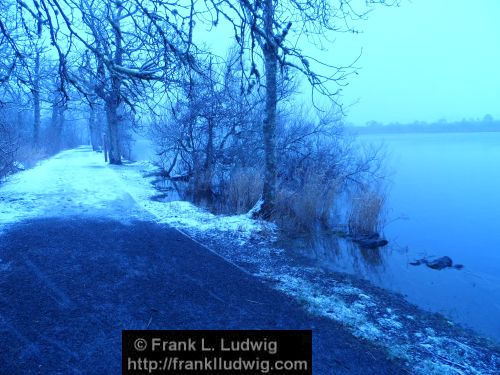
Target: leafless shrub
(16,150)
(208,141)
(10,140)
(320,169)
(366,212)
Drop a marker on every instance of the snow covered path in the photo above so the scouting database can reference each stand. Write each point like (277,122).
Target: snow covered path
(74,182)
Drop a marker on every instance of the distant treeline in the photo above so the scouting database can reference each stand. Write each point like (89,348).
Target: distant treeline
(487,124)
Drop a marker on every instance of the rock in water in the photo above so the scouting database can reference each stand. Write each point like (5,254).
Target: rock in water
(437,264)
(372,241)
(440,263)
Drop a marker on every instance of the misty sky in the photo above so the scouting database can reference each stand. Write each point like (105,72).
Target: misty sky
(427,60)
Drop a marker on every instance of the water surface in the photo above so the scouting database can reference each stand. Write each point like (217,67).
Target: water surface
(444,199)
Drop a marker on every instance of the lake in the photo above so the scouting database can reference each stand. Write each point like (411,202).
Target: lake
(444,199)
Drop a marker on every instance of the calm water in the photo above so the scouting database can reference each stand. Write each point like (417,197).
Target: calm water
(444,200)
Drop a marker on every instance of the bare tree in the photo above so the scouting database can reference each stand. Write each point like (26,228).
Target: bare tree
(262,29)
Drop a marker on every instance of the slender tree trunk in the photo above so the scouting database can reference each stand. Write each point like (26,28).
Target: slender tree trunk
(208,168)
(54,143)
(95,136)
(206,182)
(57,123)
(105,146)
(36,87)
(36,102)
(59,127)
(269,124)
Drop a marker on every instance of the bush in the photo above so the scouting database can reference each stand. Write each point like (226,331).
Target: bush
(318,167)
(16,151)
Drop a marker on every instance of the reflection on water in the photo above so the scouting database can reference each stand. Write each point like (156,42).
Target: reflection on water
(448,188)
(464,296)
(329,250)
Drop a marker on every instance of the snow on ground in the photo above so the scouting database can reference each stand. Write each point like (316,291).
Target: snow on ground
(184,215)
(78,182)
(73,182)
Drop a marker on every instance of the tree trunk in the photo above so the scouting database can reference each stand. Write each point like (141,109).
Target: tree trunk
(59,127)
(54,142)
(95,135)
(105,147)
(269,124)
(57,123)
(113,132)
(205,189)
(36,87)
(36,102)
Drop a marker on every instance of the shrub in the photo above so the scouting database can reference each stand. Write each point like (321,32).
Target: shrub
(218,155)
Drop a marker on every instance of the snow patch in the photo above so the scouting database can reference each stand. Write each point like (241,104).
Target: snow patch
(182,214)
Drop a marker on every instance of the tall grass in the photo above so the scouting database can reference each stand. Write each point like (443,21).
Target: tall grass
(240,191)
(366,215)
(308,205)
